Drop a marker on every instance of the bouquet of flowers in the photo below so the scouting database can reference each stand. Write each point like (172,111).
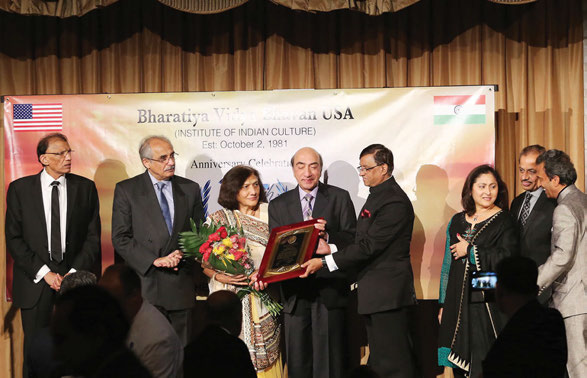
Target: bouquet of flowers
(223,249)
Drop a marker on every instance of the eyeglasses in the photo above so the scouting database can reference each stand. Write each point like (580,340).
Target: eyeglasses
(61,154)
(365,169)
(164,159)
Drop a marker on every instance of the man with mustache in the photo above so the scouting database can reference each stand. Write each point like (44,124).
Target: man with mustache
(532,210)
(52,229)
(148,213)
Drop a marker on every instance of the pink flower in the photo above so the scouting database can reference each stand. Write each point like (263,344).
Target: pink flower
(365,213)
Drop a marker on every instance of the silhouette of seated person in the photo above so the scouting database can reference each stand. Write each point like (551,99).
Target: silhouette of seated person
(151,337)
(362,371)
(217,351)
(42,364)
(89,330)
(533,342)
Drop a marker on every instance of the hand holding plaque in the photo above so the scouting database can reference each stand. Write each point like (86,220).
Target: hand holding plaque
(288,248)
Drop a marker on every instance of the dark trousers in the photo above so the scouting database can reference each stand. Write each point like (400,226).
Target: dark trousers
(390,343)
(181,321)
(36,318)
(314,340)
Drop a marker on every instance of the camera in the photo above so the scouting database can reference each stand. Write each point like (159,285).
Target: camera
(482,286)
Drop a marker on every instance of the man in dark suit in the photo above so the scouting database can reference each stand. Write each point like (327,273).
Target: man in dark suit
(52,229)
(532,210)
(315,309)
(148,213)
(217,351)
(533,342)
(381,256)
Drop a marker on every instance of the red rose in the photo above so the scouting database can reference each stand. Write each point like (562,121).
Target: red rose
(222,232)
(204,247)
(237,255)
(214,237)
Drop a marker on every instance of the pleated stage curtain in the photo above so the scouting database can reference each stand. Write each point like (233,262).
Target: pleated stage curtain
(533,52)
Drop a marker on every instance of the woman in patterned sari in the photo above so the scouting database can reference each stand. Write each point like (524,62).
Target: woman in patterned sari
(477,239)
(244,203)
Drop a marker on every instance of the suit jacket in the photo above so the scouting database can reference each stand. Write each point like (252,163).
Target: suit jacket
(139,235)
(566,268)
(216,353)
(335,206)
(26,233)
(535,236)
(381,252)
(532,344)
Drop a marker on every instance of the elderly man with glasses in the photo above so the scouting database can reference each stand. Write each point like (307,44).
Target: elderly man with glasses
(52,229)
(149,212)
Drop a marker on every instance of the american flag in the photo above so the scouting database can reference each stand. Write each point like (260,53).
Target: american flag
(37,117)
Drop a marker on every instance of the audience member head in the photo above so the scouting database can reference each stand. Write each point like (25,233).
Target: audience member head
(307,168)
(224,308)
(376,164)
(54,153)
(87,326)
(125,285)
(241,185)
(77,279)
(527,167)
(483,188)
(158,156)
(516,283)
(555,172)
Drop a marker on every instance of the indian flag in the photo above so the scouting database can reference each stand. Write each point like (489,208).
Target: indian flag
(459,110)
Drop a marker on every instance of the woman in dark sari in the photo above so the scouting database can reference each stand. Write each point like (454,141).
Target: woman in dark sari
(477,239)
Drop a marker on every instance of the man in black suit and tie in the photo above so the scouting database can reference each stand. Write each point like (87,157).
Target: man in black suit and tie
(381,256)
(532,209)
(52,229)
(314,310)
(148,213)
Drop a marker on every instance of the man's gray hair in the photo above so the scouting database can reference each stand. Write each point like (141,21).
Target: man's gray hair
(145,151)
(558,163)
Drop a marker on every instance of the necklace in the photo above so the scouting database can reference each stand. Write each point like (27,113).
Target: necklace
(476,215)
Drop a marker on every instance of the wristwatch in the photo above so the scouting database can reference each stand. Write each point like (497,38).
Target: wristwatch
(323,259)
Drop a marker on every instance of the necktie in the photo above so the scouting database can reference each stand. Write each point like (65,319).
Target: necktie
(164,206)
(56,248)
(307,206)
(525,213)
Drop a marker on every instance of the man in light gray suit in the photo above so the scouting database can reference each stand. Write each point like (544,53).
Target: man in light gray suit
(566,267)
(148,213)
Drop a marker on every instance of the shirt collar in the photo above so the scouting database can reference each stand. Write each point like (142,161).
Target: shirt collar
(382,186)
(303,193)
(154,180)
(46,179)
(536,193)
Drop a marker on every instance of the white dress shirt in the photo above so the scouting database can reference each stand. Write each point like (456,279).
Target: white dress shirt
(47,191)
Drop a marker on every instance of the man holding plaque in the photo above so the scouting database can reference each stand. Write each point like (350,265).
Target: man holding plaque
(381,256)
(315,309)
